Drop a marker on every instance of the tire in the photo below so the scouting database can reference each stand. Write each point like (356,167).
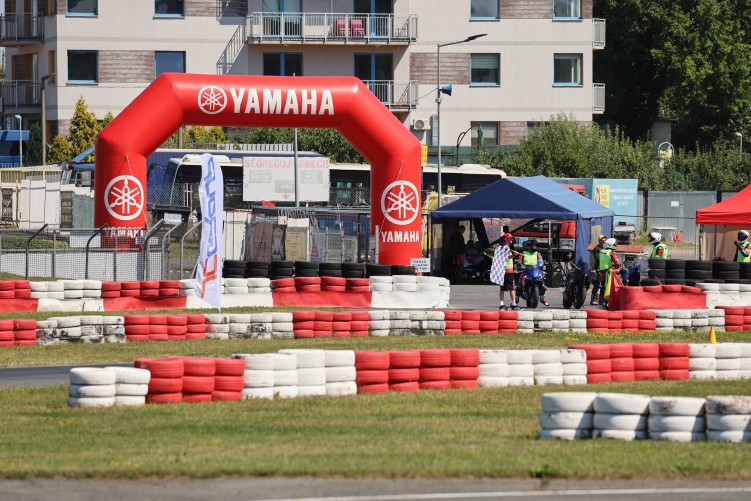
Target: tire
(568,300)
(304,265)
(676,406)
(729,422)
(623,422)
(725,275)
(580,297)
(330,267)
(657,273)
(657,263)
(675,264)
(330,273)
(621,403)
(306,272)
(698,274)
(281,264)
(532,295)
(675,273)
(729,405)
(130,375)
(565,420)
(697,265)
(376,270)
(91,376)
(674,281)
(649,282)
(568,402)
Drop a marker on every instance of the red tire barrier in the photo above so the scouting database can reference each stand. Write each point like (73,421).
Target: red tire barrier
(6,336)
(149,284)
(508,325)
(305,325)
(464,373)
(229,383)
(373,388)
(334,288)
(465,357)
(158,320)
(673,349)
(165,398)
(24,342)
(336,281)
(177,320)
(603,377)
(282,283)
(645,350)
(130,293)
(359,325)
(342,316)
(230,366)
(435,358)
(646,364)
(130,286)
(7,286)
(324,316)
(137,330)
(622,377)
(404,359)
(602,366)
(596,314)
(308,288)
(435,373)
(195,335)
(158,337)
(488,326)
(464,384)
(365,377)
(621,350)
(195,329)
(198,384)
(673,363)
(406,386)
(622,365)
(162,367)
(158,385)
(489,315)
(169,292)
(304,333)
(435,385)
(647,375)
(22,324)
(111,286)
(372,360)
(674,375)
(7,325)
(452,315)
(326,333)
(307,281)
(197,398)
(594,351)
(226,396)
(403,375)
(320,325)
(158,330)
(177,330)
(136,320)
(25,335)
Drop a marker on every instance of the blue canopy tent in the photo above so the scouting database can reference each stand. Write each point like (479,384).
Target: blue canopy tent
(533,198)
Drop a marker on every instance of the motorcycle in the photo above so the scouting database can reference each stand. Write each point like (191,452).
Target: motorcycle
(528,286)
(631,274)
(575,286)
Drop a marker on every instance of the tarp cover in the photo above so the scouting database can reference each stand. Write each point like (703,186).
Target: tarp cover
(736,210)
(524,198)
(534,198)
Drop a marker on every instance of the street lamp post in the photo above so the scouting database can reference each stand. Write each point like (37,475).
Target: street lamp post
(20,141)
(460,138)
(438,91)
(44,117)
(740,136)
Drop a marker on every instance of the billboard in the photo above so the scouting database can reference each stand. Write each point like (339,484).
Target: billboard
(273,179)
(620,195)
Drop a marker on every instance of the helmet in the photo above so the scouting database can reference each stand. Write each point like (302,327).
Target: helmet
(508,236)
(531,243)
(610,243)
(654,237)
(742,235)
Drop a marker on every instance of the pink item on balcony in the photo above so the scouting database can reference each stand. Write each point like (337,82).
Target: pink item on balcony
(357,29)
(341,28)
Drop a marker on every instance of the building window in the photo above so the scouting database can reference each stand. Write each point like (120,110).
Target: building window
(567,9)
(567,70)
(281,6)
(82,66)
(82,8)
(168,62)
(485,69)
(484,9)
(285,64)
(169,7)
(485,133)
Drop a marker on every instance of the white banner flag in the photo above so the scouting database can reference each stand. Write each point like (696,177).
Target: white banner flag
(209,271)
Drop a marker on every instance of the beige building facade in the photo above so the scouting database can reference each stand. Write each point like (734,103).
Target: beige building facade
(534,60)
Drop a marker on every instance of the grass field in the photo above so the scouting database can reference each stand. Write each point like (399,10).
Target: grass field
(459,433)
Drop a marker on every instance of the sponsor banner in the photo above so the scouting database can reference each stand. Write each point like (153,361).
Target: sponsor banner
(209,271)
(273,179)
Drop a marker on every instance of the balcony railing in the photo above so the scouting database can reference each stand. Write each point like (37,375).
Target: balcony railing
(324,27)
(598,98)
(395,95)
(598,37)
(21,29)
(21,94)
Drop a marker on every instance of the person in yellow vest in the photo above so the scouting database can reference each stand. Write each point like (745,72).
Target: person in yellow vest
(608,260)
(743,248)
(530,257)
(659,249)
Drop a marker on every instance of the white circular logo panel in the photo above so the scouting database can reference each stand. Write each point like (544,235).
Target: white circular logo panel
(124,198)
(400,202)
(212,99)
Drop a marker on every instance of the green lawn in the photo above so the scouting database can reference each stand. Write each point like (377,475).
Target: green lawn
(459,433)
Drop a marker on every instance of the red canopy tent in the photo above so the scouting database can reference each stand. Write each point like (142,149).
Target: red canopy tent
(727,217)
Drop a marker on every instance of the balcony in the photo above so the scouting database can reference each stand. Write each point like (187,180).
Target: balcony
(20,94)
(330,28)
(598,37)
(21,29)
(598,98)
(395,95)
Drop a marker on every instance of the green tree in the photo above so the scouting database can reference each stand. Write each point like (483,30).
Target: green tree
(684,59)
(106,120)
(60,150)
(84,128)
(200,136)
(32,153)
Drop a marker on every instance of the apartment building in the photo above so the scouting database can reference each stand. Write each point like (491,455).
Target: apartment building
(534,60)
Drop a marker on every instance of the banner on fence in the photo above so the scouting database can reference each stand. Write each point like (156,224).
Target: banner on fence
(209,273)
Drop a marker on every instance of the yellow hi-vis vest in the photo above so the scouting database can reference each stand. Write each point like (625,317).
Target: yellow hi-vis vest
(606,262)
(530,258)
(740,257)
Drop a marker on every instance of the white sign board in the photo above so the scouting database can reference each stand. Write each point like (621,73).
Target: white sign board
(273,179)
(421,264)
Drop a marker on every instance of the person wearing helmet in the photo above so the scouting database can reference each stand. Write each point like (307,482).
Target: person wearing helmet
(530,257)
(608,261)
(743,248)
(659,249)
(595,299)
(502,270)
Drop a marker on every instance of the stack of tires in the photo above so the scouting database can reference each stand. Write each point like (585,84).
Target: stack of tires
(281,269)
(233,269)
(305,269)
(567,416)
(677,419)
(744,272)
(675,272)
(698,271)
(256,269)
(353,270)
(377,270)
(398,269)
(620,416)
(91,387)
(728,271)
(330,270)
(656,272)
(372,371)
(729,419)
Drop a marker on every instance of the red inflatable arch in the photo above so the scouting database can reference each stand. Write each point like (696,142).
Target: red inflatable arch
(342,103)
